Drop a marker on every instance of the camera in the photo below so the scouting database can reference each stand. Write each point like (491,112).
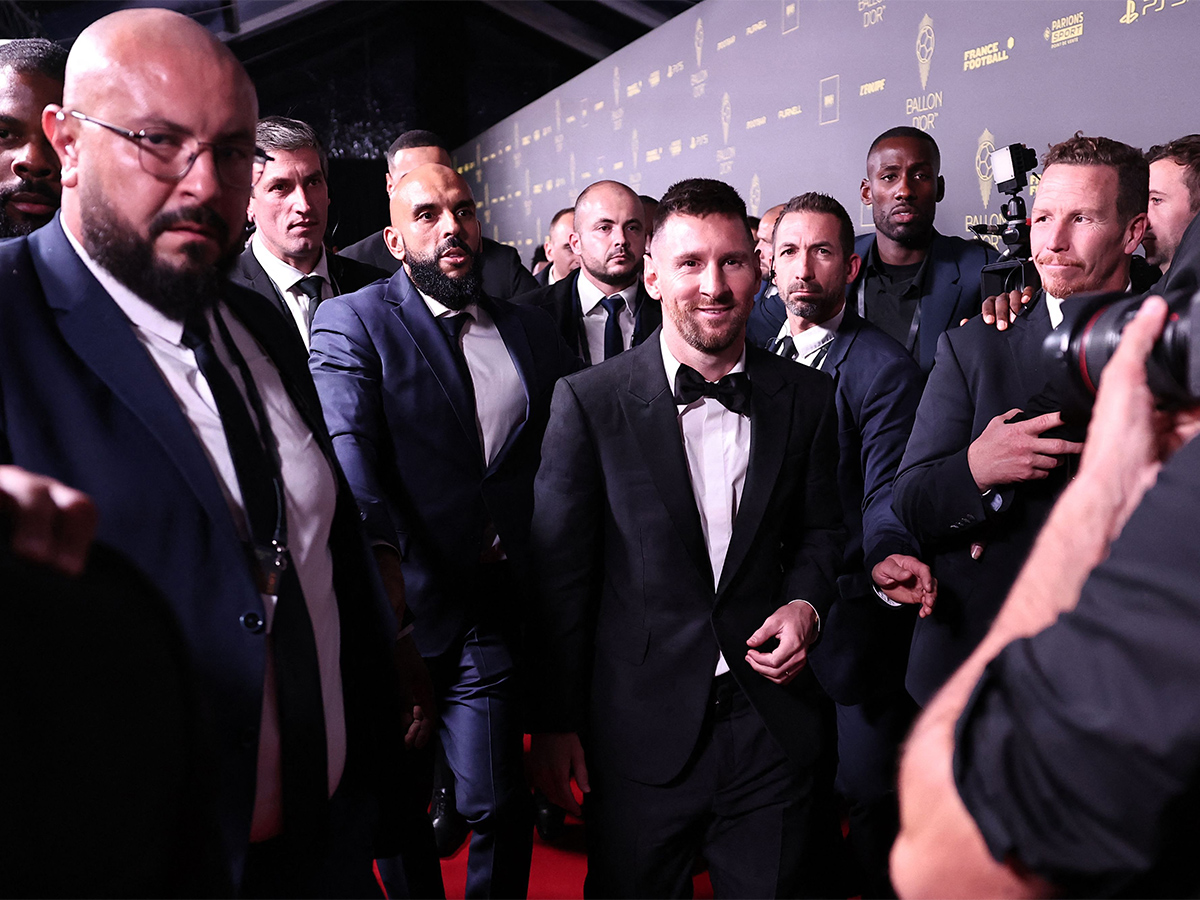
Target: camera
(1080,348)
(1014,270)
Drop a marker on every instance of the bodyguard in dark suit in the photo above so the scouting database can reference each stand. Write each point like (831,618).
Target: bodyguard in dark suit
(602,308)
(560,256)
(864,648)
(285,259)
(500,269)
(680,532)
(977,479)
(437,397)
(119,333)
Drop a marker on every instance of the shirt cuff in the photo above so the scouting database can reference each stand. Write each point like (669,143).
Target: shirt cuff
(813,608)
(884,597)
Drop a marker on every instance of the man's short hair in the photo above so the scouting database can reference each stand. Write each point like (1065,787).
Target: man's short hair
(1133,172)
(281,133)
(907,131)
(823,203)
(35,55)
(415,138)
(565,211)
(1184,151)
(700,197)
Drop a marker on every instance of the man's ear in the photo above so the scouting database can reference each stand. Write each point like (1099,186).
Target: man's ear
(1134,232)
(61,132)
(864,191)
(575,243)
(853,264)
(650,276)
(395,244)
(941,191)
(388,183)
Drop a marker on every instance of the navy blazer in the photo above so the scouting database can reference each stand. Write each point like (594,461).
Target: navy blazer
(403,424)
(561,301)
(628,621)
(877,387)
(82,401)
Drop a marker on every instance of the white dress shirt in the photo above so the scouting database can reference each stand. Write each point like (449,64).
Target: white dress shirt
(310,495)
(812,340)
(287,278)
(595,316)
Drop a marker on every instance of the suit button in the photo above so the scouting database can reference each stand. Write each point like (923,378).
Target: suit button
(252,622)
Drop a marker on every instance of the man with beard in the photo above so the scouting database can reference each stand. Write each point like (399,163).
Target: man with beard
(437,396)
(132,371)
(286,260)
(686,534)
(31,78)
(602,308)
(987,456)
(499,265)
(864,646)
(1174,197)
(914,283)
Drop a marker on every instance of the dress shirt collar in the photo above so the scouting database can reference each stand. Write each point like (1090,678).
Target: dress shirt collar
(810,340)
(671,364)
(1054,306)
(138,311)
(441,310)
(590,295)
(284,275)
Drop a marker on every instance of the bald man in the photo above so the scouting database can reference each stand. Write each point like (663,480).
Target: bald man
(120,341)
(437,396)
(499,265)
(769,314)
(602,308)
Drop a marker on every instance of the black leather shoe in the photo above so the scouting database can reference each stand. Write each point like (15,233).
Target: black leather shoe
(548,818)
(449,828)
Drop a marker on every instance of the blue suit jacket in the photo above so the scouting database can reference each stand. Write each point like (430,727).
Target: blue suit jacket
(81,401)
(864,644)
(403,425)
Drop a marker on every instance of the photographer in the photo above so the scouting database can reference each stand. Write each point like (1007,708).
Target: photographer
(1073,768)
(978,478)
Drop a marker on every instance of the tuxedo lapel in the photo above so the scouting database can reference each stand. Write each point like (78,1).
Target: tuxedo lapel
(99,333)
(416,319)
(649,406)
(770,423)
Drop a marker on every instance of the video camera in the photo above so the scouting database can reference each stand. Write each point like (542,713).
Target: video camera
(1014,270)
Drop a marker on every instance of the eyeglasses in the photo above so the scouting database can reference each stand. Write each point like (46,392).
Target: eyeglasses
(170,155)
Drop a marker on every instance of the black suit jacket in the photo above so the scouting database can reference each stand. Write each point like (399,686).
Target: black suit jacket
(561,301)
(501,271)
(542,277)
(864,646)
(346,275)
(630,625)
(980,373)
(403,422)
(98,416)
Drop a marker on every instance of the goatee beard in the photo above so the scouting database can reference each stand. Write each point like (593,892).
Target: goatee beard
(175,292)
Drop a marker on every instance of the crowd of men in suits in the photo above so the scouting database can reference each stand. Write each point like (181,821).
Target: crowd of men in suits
(710,514)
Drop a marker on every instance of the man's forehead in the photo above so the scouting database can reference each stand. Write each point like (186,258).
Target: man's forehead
(608,201)
(434,190)
(810,225)
(716,234)
(1166,173)
(412,157)
(899,151)
(1083,185)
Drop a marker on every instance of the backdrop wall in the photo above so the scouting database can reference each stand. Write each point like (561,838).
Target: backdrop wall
(783,96)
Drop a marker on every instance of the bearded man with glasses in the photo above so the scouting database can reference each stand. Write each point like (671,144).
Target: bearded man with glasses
(131,370)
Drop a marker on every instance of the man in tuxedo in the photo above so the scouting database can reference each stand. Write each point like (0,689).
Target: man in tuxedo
(499,265)
(285,259)
(559,253)
(864,646)
(602,308)
(223,491)
(437,397)
(687,529)
(979,475)
(31,78)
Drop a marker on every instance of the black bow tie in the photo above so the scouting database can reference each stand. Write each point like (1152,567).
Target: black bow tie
(731,391)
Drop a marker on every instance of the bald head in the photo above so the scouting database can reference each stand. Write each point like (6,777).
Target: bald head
(765,236)
(164,215)
(610,235)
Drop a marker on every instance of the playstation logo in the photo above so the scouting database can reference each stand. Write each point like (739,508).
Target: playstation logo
(1131,13)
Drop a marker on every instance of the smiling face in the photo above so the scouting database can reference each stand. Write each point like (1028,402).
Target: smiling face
(30,184)
(811,270)
(903,188)
(1080,242)
(704,272)
(290,206)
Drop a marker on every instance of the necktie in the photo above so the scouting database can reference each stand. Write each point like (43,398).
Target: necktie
(732,391)
(614,342)
(453,326)
(304,766)
(310,287)
(785,347)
